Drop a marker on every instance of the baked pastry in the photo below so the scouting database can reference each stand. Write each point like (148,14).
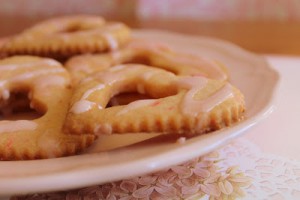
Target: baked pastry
(150,53)
(179,104)
(63,37)
(47,85)
(120,85)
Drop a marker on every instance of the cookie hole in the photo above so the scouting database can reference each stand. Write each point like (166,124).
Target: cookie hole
(126,98)
(17,107)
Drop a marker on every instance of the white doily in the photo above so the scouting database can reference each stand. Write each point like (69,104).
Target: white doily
(236,171)
(273,177)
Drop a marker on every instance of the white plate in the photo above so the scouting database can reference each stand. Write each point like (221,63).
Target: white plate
(249,72)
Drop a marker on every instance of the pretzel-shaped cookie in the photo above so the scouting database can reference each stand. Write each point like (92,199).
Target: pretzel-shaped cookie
(48,86)
(150,53)
(66,36)
(180,104)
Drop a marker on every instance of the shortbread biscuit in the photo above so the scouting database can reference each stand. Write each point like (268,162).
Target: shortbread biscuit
(65,36)
(179,104)
(150,53)
(3,40)
(47,84)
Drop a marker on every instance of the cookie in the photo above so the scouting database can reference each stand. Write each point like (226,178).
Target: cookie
(178,104)
(63,37)
(47,85)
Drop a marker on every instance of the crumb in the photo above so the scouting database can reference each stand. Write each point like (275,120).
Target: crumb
(181,140)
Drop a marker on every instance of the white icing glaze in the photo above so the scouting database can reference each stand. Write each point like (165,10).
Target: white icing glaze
(116,68)
(148,74)
(19,125)
(192,82)
(31,105)
(111,41)
(135,105)
(107,79)
(115,74)
(220,96)
(48,62)
(29,75)
(194,107)
(85,80)
(84,105)
(110,78)
(194,85)
(92,90)
(14,67)
(50,80)
(108,35)
(80,64)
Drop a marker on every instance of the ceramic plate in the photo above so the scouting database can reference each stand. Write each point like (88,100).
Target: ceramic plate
(108,160)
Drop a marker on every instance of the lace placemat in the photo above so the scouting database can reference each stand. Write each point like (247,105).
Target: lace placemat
(238,170)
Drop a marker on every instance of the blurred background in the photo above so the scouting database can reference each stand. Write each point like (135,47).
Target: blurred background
(262,26)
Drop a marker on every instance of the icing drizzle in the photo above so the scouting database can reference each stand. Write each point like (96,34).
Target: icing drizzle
(9,67)
(109,37)
(190,106)
(29,75)
(19,125)
(84,105)
(193,107)
(111,41)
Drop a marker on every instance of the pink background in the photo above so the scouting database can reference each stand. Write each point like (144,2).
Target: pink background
(279,10)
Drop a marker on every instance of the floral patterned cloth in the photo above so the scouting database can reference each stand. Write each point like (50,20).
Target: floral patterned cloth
(239,170)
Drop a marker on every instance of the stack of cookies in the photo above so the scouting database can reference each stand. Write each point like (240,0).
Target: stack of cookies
(86,77)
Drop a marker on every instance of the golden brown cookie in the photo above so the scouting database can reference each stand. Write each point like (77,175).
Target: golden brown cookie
(2,42)
(47,85)
(150,53)
(63,37)
(179,104)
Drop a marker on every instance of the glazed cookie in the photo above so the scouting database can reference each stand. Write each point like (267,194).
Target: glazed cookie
(2,42)
(66,36)
(47,85)
(147,52)
(178,104)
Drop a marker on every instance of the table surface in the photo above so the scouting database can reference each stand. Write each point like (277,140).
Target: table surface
(267,37)
(279,133)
